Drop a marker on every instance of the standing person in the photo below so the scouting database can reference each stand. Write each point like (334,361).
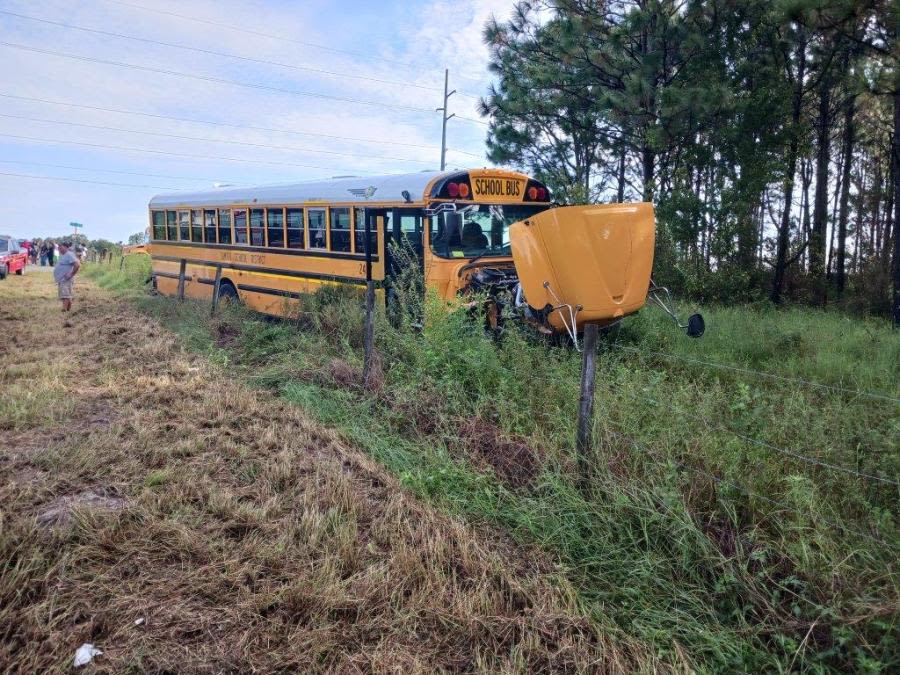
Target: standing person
(55,253)
(33,252)
(45,249)
(64,274)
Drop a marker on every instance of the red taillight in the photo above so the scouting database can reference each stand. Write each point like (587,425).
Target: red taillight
(463,190)
(532,193)
(542,193)
(453,189)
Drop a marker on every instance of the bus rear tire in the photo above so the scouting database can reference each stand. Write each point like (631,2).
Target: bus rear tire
(228,294)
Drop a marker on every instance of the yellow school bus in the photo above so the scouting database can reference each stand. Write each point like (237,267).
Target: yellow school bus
(274,243)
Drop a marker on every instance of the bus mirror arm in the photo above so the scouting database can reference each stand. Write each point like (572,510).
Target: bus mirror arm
(695,326)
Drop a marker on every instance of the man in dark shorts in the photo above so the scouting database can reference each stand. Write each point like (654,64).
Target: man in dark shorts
(64,274)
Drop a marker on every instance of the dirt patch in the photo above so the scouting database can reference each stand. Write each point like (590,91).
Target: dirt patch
(344,374)
(512,459)
(59,511)
(225,335)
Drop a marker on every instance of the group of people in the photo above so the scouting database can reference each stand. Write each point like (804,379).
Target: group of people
(49,252)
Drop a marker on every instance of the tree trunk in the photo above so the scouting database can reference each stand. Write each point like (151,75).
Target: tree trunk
(620,191)
(806,178)
(791,170)
(895,161)
(820,210)
(647,161)
(849,132)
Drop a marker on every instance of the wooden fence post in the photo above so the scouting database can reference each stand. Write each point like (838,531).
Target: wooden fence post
(121,263)
(584,439)
(216,284)
(369,340)
(181,280)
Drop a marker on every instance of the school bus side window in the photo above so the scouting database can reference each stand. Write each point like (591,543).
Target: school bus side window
(257,237)
(240,226)
(172,225)
(340,229)
(209,221)
(196,225)
(295,228)
(184,224)
(317,228)
(159,224)
(224,226)
(275,225)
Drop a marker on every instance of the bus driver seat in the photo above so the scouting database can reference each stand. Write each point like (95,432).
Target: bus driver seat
(473,236)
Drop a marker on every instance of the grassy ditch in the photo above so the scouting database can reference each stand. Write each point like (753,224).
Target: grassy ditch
(726,523)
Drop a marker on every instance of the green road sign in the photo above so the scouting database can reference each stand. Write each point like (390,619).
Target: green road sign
(75,225)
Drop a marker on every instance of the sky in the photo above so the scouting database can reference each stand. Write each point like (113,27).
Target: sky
(173,118)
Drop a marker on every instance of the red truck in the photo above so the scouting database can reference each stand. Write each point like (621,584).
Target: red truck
(13,257)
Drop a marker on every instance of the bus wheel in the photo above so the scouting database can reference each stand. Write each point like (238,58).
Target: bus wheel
(20,271)
(228,294)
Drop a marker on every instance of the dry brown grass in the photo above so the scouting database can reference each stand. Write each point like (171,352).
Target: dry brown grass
(247,538)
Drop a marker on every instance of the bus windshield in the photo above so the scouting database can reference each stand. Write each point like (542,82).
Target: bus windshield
(477,229)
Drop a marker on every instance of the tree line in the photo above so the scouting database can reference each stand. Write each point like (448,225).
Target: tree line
(765,133)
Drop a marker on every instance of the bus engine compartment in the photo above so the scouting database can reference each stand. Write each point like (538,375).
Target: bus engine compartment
(572,265)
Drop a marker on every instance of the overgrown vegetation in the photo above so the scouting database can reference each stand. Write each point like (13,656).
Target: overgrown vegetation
(697,535)
(159,508)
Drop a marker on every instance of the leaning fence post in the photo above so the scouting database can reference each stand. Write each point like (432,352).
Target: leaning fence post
(216,284)
(584,438)
(369,341)
(121,263)
(181,270)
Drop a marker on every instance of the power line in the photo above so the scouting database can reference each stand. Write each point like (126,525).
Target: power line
(226,124)
(93,182)
(243,29)
(472,119)
(208,140)
(217,80)
(247,31)
(215,53)
(759,373)
(114,171)
(172,154)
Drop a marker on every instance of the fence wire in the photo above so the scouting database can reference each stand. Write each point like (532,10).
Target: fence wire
(761,373)
(749,493)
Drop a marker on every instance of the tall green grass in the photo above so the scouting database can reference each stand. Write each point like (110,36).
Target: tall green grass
(709,547)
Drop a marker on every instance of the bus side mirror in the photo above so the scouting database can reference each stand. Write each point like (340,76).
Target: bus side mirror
(696,326)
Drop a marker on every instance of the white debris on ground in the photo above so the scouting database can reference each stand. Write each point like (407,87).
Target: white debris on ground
(85,654)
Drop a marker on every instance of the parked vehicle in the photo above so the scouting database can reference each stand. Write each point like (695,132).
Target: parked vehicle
(13,257)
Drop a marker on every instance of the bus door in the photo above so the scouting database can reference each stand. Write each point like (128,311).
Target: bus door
(403,227)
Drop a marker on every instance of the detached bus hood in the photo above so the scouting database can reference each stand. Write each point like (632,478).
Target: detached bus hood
(595,258)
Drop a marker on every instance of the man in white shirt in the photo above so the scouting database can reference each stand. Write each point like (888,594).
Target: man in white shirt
(64,274)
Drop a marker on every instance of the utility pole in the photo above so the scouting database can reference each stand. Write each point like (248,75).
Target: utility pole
(445,117)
